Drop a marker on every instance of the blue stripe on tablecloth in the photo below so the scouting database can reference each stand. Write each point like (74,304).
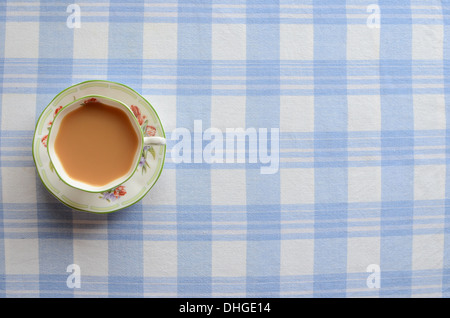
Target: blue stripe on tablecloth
(398,148)
(2,236)
(330,115)
(261,14)
(56,250)
(397,181)
(125,51)
(125,253)
(395,136)
(362,221)
(263,110)
(446,71)
(193,187)
(225,92)
(294,285)
(161,76)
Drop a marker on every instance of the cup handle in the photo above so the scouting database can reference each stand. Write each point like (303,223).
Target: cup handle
(154,140)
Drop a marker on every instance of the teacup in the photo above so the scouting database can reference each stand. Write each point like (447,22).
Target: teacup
(135,155)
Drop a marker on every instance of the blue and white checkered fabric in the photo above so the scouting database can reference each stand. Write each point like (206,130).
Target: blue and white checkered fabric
(359,90)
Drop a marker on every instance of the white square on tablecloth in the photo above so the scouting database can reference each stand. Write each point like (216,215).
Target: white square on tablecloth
(160,258)
(164,191)
(429,182)
(428,251)
(362,252)
(229,258)
(166,107)
(296,42)
(22,256)
(297,185)
(228,186)
(90,41)
(427,41)
(364,184)
(363,43)
(18,184)
(364,113)
(297,114)
(228,112)
(160,41)
(429,111)
(297,257)
(228,42)
(18,111)
(91,254)
(22,40)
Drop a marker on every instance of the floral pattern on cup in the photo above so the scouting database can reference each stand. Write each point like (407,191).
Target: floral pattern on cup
(91,100)
(148,131)
(113,194)
(44,139)
(49,125)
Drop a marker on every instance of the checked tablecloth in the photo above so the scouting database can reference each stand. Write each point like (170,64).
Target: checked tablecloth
(357,206)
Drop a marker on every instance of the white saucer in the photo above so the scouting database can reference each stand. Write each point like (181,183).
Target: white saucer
(129,192)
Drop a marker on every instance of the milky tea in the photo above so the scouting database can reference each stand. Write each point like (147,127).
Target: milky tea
(96,143)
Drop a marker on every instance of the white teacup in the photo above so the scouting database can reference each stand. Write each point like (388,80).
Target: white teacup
(142,140)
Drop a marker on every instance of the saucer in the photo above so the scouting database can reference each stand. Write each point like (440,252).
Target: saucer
(128,193)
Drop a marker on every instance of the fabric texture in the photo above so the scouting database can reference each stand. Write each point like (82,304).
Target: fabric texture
(356,202)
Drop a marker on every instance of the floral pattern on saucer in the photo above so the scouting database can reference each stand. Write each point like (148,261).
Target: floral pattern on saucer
(113,194)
